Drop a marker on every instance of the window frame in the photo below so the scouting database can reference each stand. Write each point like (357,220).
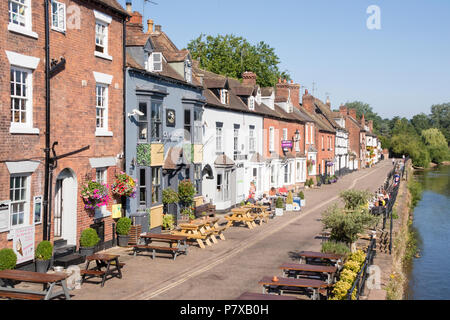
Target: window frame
(157,192)
(219,137)
(271,139)
(28,98)
(59,5)
(102,130)
(251,139)
(156,124)
(25,201)
(26,28)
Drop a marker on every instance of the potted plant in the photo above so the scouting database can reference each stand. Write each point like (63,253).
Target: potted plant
(318,181)
(95,195)
(188,212)
(170,199)
(290,202)
(8,259)
(43,255)
(186,193)
(168,221)
(311,182)
(88,240)
(279,207)
(301,195)
(123,228)
(124,186)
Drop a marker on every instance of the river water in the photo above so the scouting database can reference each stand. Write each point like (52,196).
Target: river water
(429,275)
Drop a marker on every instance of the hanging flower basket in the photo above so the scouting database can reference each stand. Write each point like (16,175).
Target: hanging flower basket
(124,186)
(95,195)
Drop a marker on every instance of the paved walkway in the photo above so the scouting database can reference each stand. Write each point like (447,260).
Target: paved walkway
(227,269)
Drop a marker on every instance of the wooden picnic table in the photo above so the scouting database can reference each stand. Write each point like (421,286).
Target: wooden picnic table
(261,296)
(292,284)
(260,212)
(195,232)
(301,270)
(103,261)
(240,215)
(211,226)
(49,281)
(312,256)
(177,244)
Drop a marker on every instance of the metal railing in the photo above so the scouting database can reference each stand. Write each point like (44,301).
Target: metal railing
(361,277)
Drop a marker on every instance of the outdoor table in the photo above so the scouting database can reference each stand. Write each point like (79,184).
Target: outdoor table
(261,296)
(299,270)
(193,232)
(177,244)
(260,212)
(102,261)
(49,281)
(291,284)
(308,256)
(241,215)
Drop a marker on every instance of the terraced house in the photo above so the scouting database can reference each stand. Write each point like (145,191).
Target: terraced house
(164,111)
(59,128)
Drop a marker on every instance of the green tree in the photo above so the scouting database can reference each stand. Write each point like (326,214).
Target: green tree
(440,118)
(421,122)
(379,126)
(436,144)
(230,55)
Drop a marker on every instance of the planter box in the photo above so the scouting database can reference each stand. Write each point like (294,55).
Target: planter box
(42,265)
(87,251)
(289,207)
(279,212)
(122,241)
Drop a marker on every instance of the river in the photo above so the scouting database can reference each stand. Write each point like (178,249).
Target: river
(428,277)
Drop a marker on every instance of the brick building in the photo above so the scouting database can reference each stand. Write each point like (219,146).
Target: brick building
(86,122)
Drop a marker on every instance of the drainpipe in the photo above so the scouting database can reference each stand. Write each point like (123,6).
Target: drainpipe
(45,203)
(124,204)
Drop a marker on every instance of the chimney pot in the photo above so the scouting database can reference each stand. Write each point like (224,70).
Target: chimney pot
(150,25)
(158,28)
(129,7)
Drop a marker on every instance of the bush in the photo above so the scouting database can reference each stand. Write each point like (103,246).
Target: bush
(353,266)
(168,221)
(279,204)
(44,250)
(335,248)
(355,199)
(89,238)
(123,226)
(186,192)
(8,259)
(415,189)
(301,195)
(290,198)
(169,196)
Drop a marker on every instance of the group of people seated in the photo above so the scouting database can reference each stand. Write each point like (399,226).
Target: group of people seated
(381,199)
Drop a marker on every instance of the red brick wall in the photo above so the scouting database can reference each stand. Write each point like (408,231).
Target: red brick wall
(278,126)
(73,113)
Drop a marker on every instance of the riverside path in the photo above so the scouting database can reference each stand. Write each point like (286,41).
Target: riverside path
(225,270)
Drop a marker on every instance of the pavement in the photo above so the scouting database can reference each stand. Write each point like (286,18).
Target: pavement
(233,266)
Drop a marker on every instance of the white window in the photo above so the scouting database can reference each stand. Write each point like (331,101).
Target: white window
(219,142)
(285,134)
(298,171)
(251,103)
(102,22)
(20,17)
(306,134)
(58,16)
(272,175)
(188,71)
(101,106)
(224,99)
(271,139)
(252,139)
(155,62)
(20,95)
(19,196)
(312,135)
(322,144)
(4,215)
(100,175)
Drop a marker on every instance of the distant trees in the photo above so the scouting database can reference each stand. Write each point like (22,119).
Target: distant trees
(230,55)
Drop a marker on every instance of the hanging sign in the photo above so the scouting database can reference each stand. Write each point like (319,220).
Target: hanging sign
(286,145)
(116,211)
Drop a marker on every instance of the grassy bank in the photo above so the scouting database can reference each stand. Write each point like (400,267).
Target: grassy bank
(405,240)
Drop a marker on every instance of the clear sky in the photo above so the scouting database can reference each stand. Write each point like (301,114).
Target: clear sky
(400,70)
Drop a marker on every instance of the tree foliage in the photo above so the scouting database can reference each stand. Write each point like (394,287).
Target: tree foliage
(230,55)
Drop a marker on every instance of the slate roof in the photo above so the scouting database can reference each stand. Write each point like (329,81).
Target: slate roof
(113,4)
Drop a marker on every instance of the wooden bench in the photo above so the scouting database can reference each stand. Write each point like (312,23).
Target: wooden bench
(154,249)
(21,296)
(208,209)
(134,235)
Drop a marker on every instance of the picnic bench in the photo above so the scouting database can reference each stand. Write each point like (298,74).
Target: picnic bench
(241,215)
(260,213)
(312,257)
(206,209)
(211,226)
(48,281)
(309,270)
(262,296)
(194,232)
(102,261)
(292,285)
(177,244)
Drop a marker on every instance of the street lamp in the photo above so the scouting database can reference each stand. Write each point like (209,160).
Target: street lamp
(297,135)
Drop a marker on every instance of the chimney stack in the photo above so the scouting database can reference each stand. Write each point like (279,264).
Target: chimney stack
(370,125)
(343,110)
(328,103)
(363,121)
(158,28)
(249,78)
(129,7)
(308,102)
(352,113)
(150,26)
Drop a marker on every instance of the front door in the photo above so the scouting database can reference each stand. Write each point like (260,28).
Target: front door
(65,210)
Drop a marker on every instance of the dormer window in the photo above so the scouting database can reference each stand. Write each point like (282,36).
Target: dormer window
(155,62)
(251,103)
(188,71)
(224,96)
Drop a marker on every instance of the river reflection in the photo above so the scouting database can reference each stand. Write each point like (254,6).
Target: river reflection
(429,274)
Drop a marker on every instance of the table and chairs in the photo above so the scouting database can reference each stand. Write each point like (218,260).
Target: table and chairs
(105,265)
(177,244)
(49,282)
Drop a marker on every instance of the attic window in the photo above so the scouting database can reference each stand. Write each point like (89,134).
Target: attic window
(224,96)
(251,103)
(155,62)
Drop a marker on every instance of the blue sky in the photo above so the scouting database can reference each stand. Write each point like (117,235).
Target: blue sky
(400,70)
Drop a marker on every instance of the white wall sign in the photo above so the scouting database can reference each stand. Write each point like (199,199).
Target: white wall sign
(23,244)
